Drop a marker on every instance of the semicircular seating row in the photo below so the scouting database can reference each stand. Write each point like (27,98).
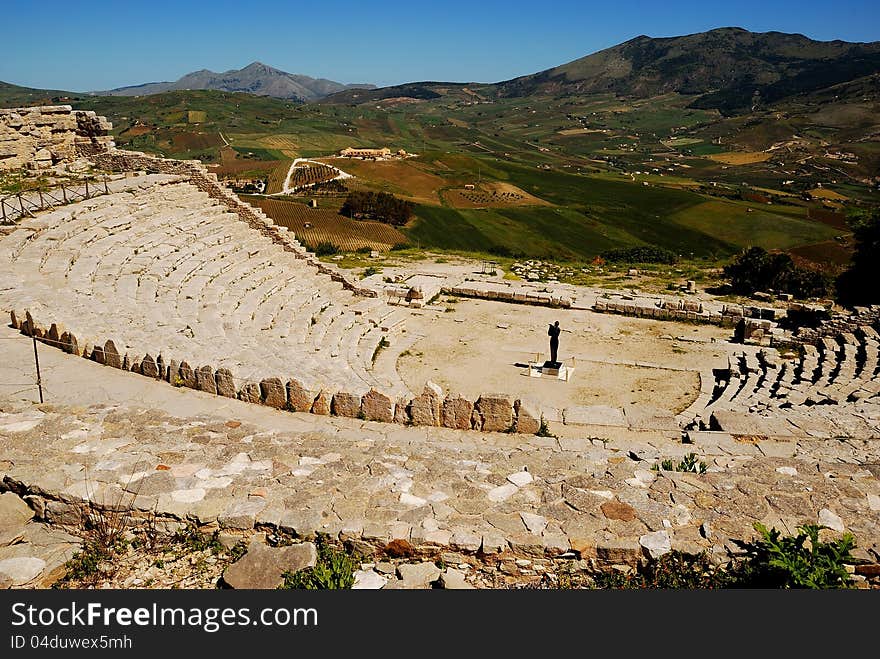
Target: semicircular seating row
(161,268)
(829,390)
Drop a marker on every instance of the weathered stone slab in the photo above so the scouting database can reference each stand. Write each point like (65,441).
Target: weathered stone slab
(299,397)
(401,413)
(322,403)
(493,413)
(111,354)
(21,570)
(377,406)
(13,511)
(594,415)
(250,393)
(528,416)
(205,380)
(345,404)
(273,393)
(148,367)
(457,412)
(656,544)
(424,410)
(418,575)
(225,382)
(186,376)
(262,566)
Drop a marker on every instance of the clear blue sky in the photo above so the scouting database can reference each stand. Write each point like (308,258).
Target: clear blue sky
(82,45)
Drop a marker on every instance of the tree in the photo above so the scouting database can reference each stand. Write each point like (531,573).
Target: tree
(858,284)
(756,269)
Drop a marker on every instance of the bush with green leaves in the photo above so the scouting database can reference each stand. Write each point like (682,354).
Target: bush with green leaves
(802,560)
(689,463)
(673,570)
(795,561)
(333,570)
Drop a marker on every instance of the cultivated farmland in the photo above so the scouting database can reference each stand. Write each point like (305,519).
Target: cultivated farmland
(313,227)
(277,176)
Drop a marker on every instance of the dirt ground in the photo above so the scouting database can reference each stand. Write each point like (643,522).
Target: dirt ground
(483,347)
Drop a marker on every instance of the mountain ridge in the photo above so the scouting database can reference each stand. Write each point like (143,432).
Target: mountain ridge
(729,69)
(255,78)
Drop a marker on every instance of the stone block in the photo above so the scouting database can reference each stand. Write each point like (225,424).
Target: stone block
(250,393)
(225,383)
(345,404)
(273,393)
(111,354)
(456,412)
(619,550)
(424,410)
(401,413)
(205,380)
(377,406)
(262,566)
(148,367)
(322,403)
(299,397)
(528,416)
(493,413)
(186,375)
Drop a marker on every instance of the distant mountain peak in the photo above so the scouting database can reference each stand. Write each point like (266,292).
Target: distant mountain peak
(255,78)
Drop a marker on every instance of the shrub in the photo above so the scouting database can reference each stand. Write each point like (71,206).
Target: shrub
(325,249)
(644,254)
(689,463)
(798,561)
(773,561)
(544,430)
(858,284)
(672,570)
(756,269)
(333,570)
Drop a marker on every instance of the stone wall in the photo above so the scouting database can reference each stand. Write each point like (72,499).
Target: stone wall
(840,324)
(542,299)
(489,413)
(40,137)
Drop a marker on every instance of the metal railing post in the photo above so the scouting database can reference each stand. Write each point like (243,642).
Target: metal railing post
(37,362)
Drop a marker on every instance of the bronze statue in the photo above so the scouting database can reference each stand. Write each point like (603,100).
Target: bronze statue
(553,333)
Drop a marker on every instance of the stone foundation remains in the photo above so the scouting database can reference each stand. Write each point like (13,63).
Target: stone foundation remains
(41,137)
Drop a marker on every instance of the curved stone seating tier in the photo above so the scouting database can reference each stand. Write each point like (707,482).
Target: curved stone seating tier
(837,385)
(160,267)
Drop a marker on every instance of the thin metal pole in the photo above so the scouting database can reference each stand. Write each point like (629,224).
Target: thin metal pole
(37,362)
(3,208)
(87,188)
(64,193)
(106,189)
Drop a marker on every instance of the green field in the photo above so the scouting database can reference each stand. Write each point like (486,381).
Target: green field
(680,200)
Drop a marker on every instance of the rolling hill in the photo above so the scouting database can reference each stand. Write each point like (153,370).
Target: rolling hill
(728,69)
(256,78)
(731,69)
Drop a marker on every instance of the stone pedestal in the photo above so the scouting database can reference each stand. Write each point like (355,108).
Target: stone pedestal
(555,370)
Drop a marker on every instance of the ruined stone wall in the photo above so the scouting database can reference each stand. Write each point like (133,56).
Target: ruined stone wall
(40,137)
(489,413)
(841,324)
